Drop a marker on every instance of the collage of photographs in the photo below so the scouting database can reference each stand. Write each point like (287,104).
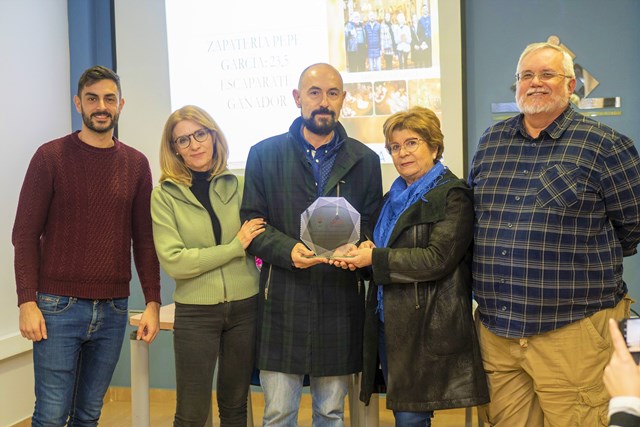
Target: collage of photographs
(387,45)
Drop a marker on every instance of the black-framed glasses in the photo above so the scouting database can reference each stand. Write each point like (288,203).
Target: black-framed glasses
(410,145)
(544,76)
(184,141)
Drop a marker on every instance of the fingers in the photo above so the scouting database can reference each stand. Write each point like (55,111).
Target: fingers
(300,250)
(36,332)
(43,330)
(345,250)
(354,259)
(149,322)
(147,333)
(141,332)
(150,337)
(32,333)
(619,344)
(302,257)
(249,230)
(343,264)
(621,376)
(32,323)
(254,227)
(254,224)
(368,244)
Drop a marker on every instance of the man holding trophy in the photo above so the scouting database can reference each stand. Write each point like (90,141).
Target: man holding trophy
(310,313)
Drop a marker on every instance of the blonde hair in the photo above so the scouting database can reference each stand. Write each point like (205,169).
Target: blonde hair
(420,120)
(171,165)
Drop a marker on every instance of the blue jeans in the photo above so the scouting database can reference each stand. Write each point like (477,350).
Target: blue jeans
(204,334)
(74,365)
(403,419)
(282,394)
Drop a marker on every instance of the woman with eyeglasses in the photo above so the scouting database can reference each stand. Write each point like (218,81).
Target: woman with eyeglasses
(418,321)
(201,244)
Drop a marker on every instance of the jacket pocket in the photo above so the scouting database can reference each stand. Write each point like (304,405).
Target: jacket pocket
(449,328)
(54,304)
(560,185)
(120,305)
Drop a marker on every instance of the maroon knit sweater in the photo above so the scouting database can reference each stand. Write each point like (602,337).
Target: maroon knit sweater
(79,211)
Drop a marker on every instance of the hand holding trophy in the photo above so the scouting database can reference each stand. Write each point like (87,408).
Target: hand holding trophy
(330,226)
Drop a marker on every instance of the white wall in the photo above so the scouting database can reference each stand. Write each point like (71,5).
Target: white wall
(141,46)
(35,108)
(143,67)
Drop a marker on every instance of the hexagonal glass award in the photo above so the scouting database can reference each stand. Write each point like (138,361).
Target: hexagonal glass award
(328,224)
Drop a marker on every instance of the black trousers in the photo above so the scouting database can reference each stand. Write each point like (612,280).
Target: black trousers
(204,334)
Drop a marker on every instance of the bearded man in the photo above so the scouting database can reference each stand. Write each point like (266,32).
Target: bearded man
(84,205)
(557,203)
(310,314)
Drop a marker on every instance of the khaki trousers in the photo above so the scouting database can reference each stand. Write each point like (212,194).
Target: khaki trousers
(553,379)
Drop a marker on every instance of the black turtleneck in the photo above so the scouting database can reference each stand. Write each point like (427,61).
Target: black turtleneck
(200,184)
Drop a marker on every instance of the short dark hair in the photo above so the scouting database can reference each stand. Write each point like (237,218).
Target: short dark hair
(95,74)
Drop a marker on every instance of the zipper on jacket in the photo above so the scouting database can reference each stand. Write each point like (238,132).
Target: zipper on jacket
(338,188)
(224,287)
(415,284)
(266,286)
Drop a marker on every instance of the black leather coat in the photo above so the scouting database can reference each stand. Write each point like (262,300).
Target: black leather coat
(432,349)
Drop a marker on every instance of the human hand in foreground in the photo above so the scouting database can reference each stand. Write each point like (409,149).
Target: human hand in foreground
(249,230)
(303,257)
(622,375)
(355,257)
(149,323)
(32,324)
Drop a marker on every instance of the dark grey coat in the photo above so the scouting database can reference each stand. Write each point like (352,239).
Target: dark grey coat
(310,320)
(432,349)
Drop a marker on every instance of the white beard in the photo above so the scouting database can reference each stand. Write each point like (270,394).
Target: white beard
(529,105)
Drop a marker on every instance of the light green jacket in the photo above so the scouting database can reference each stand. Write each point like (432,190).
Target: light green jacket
(206,272)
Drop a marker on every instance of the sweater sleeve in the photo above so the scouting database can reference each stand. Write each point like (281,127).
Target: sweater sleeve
(178,260)
(31,216)
(144,253)
(624,411)
(273,246)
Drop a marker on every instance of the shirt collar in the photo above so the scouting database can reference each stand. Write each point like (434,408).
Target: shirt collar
(325,147)
(554,130)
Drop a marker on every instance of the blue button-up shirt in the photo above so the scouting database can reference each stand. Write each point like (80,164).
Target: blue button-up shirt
(554,217)
(321,159)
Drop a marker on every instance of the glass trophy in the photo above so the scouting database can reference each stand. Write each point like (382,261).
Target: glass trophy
(329,224)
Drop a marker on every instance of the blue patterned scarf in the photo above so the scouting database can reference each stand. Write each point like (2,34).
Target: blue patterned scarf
(399,199)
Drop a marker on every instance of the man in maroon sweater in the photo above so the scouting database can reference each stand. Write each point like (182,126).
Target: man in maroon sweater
(83,205)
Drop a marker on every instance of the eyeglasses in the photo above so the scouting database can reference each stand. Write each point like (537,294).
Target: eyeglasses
(410,145)
(184,141)
(543,76)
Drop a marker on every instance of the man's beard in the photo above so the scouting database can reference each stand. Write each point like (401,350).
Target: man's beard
(104,129)
(554,103)
(324,127)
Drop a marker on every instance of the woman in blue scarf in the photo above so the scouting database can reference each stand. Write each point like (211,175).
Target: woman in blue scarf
(418,321)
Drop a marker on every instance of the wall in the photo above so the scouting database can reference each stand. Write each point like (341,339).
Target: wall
(495,32)
(603,35)
(143,68)
(35,73)
(90,42)
(144,87)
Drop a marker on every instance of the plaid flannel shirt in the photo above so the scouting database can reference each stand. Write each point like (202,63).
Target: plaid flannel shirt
(555,215)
